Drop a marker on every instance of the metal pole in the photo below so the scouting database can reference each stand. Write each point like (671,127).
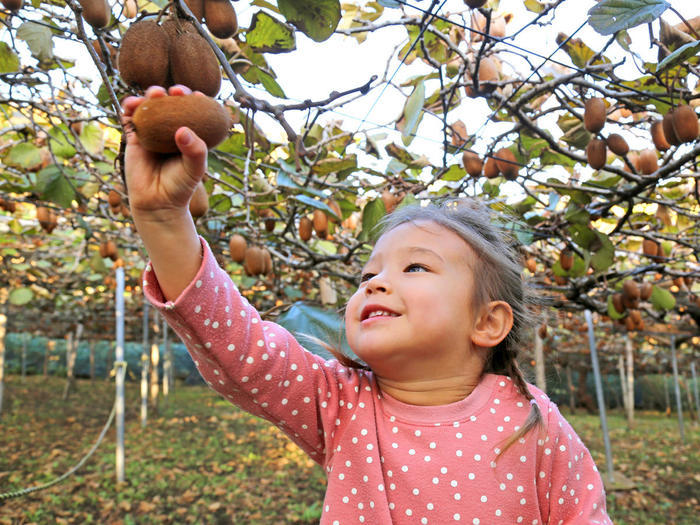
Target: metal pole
(120,366)
(599,395)
(145,361)
(679,403)
(695,388)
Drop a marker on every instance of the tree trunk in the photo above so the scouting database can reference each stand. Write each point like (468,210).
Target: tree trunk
(623,380)
(629,354)
(540,379)
(71,354)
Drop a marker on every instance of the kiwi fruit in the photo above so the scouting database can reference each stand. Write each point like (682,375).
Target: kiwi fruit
(648,161)
(491,170)
(531,264)
(197,8)
(141,69)
(617,144)
(566,260)
(475,3)
(199,203)
(333,205)
(114,199)
(658,137)
(389,200)
(305,228)
(108,249)
(194,64)
(669,131)
(685,123)
(596,153)
(220,18)
(47,218)
(650,248)
(645,290)
(157,119)
(254,261)
(630,290)
(12,5)
(237,246)
(320,223)
(267,260)
(542,331)
(488,70)
(594,114)
(96,12)
(618,303)
(131,9)
(472,163)
(507,163)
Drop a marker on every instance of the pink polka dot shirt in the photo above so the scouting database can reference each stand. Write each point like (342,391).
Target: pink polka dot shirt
(387,462)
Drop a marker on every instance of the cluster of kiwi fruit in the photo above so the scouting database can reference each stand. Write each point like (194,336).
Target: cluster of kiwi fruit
(318,222)
(628,301)
(679,125)
(503,162)
(108,250)
(255,260)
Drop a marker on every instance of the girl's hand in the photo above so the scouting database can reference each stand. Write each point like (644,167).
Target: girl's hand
(161,186)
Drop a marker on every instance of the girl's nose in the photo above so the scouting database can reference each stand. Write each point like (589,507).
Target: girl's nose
(377,284)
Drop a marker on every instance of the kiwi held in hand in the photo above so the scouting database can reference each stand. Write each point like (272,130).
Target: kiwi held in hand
(194,64)
(157,119)
(143,55)
(220,18)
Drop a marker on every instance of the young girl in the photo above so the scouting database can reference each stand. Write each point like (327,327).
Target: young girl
(442,428)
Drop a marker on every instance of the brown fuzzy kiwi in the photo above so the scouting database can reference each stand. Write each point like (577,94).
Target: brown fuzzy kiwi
(542,331)
(12,5)
(96,12)
(566,260)
(531,264)
(596,153)
(645,290)
(157,119)
(507,163)
(685,123)
(389,200)
(333,205)
(630,290)
(254,262)
(617,144)
(114,198)
(475,3)
(472,163)
(594,114)
(220,18)
(237,246)
(141,69)
(199,203)
(175,26)
(267,258)
(648,161)
(658,137)
(491,168)
(650,247)
(618,303)
(488,70)
(669,131)
(197,8)
(194,64)
(320,222)
(305,228)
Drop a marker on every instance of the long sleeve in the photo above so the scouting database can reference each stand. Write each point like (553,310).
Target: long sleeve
(569,485)
(255,364)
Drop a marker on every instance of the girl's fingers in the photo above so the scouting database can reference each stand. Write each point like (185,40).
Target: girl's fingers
(179,89)
(155,91)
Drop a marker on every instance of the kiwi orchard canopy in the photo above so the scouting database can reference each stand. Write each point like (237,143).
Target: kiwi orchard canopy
(588,156)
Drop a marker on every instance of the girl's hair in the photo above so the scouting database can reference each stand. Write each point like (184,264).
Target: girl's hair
(499,279)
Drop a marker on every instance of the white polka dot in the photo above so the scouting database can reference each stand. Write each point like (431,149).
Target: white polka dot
(457,517)
(198,284)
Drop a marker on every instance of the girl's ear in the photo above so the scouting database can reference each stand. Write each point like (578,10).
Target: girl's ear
(493,324)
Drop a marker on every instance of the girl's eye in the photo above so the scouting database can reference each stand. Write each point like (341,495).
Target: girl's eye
(366,277)
(415,267)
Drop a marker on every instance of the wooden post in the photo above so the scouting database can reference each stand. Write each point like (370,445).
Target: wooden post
(629,358)
(120,366)
(145,361)
(599,395)
(679,403)
(623,379)
(71,354)
(166,361)
(540,379)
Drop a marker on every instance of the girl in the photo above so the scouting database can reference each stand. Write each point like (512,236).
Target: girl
(441,427)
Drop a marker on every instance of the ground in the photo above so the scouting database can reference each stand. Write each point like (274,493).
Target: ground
(201,460)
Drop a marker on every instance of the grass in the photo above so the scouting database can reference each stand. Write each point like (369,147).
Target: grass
(201,460)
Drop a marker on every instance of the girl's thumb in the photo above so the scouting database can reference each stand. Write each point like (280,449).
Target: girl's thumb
(194,152)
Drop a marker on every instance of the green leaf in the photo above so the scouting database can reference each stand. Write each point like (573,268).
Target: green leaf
(534,6)
(20,296)
(612,313)
(604,257)
(24,155)
(91,138)
(662,299)
(609,16)
(59,142)
(270,84)
(38,38)
(269,35)
(371,215)
(52,185)
(412,114)
(317,19)
(9,61)
(334,165)
(679,55)
(315,203)
(454,173)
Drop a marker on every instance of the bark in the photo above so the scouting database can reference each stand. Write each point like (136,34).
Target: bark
(629,357)
(540,379)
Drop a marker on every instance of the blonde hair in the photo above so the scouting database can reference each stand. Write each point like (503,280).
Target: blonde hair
(499,271)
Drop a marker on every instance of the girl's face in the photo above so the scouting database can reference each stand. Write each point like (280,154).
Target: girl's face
(411,317)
